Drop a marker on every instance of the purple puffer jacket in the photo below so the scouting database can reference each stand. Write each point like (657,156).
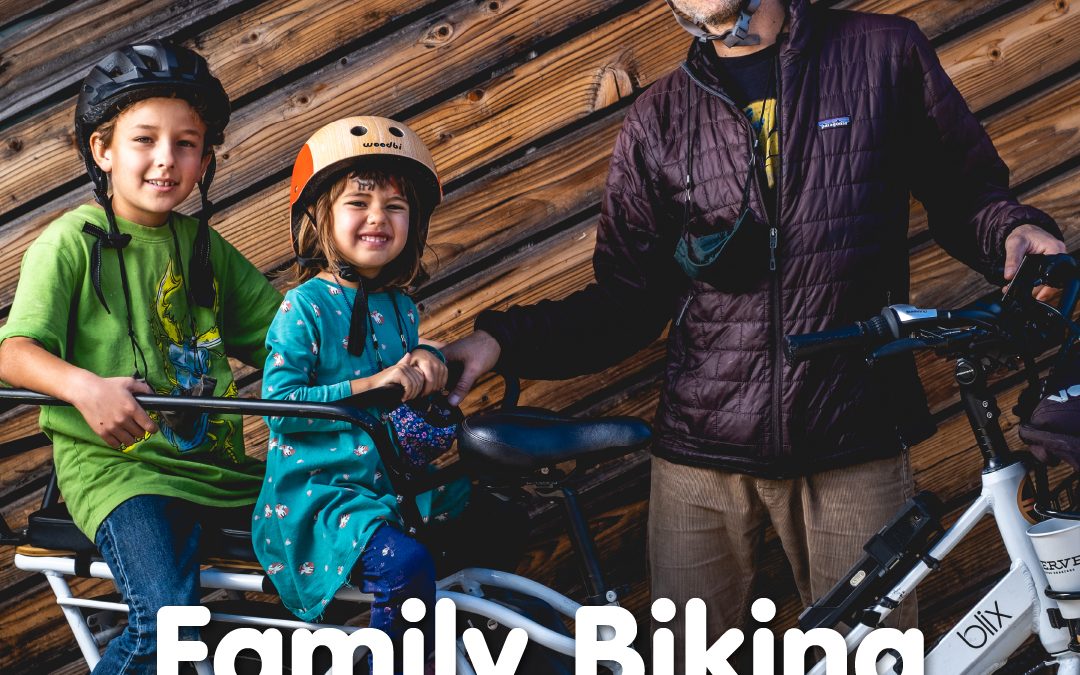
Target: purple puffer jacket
(840,247)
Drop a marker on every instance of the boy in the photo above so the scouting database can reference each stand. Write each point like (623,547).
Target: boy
(134,273)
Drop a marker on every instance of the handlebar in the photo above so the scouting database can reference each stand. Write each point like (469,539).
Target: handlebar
(350,409)
(890,332)
(798,348)
(356,410)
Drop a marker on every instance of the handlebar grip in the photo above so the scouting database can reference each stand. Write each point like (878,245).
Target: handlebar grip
(798,348)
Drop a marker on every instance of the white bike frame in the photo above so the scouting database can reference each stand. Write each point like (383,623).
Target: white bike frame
(465,588)
(982,641)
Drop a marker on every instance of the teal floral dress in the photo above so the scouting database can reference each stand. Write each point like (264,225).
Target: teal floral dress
(326,490)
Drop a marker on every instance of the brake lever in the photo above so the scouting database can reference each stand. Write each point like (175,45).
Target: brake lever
(925,339)
(896,347)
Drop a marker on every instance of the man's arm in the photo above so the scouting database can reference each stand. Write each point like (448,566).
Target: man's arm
(958,176)
(625,308)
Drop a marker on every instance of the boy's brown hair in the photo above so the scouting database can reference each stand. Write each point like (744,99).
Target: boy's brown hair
(315,238)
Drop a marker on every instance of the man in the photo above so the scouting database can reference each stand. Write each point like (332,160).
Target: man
(796,133)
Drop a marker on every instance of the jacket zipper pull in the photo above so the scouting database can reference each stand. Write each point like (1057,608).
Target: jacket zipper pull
(682,312)
(773,236)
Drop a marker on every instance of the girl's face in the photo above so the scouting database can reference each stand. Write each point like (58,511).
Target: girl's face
(371,225)
(154,159)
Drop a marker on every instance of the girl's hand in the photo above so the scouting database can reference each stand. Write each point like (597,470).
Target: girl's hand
(109,407)
(404,372)
(434,370)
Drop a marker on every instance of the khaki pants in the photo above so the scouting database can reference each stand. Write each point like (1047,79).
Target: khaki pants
(706,527)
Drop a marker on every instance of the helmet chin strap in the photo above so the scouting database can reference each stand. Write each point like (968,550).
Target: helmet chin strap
(738,35)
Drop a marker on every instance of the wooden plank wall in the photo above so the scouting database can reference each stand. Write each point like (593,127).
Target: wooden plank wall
(520,101)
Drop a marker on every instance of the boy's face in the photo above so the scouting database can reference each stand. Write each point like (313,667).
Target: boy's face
(154,160)
(371,225)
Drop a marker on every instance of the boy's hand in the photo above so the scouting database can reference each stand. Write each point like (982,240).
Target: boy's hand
(434,370)
(108,405)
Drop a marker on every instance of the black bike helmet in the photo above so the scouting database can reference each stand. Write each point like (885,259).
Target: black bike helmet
(139,72)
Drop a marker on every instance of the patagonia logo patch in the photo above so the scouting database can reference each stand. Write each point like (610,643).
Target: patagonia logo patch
(834,122)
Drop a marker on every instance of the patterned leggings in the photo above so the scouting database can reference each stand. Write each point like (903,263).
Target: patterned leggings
(395,567)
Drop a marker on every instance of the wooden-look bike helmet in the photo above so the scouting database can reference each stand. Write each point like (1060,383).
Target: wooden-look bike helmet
(358,144)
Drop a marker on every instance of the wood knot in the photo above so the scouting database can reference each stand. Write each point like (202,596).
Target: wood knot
(494,6)
(475,95)
(613,83)
(15,145)
(439,34)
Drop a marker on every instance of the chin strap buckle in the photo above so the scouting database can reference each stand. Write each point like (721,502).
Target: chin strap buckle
(739,35)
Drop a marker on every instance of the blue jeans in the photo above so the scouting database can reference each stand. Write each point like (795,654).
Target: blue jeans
(395,567)
(151,544)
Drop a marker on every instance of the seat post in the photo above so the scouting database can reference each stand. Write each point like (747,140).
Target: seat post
(581,538)
(982,413)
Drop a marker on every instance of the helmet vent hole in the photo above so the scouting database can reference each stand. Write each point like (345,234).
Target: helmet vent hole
(394,131)
(358,131)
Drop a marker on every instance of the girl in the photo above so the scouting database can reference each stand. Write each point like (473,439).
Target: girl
(362,192)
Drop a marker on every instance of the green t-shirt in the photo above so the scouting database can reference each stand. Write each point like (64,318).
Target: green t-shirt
(56,305)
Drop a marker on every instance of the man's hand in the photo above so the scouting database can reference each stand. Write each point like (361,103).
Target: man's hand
(108,405)
(1031,239)
(479,353)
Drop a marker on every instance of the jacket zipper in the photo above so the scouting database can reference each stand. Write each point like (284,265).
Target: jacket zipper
(774,282)
(774,241)
(686,305)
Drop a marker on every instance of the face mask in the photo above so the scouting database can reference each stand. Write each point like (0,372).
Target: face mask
(729,259)
(185,423)
(424,429)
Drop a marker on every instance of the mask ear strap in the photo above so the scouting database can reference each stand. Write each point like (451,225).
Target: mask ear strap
(112,239)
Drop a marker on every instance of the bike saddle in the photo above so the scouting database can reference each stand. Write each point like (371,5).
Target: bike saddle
(52,528)
(520,442)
